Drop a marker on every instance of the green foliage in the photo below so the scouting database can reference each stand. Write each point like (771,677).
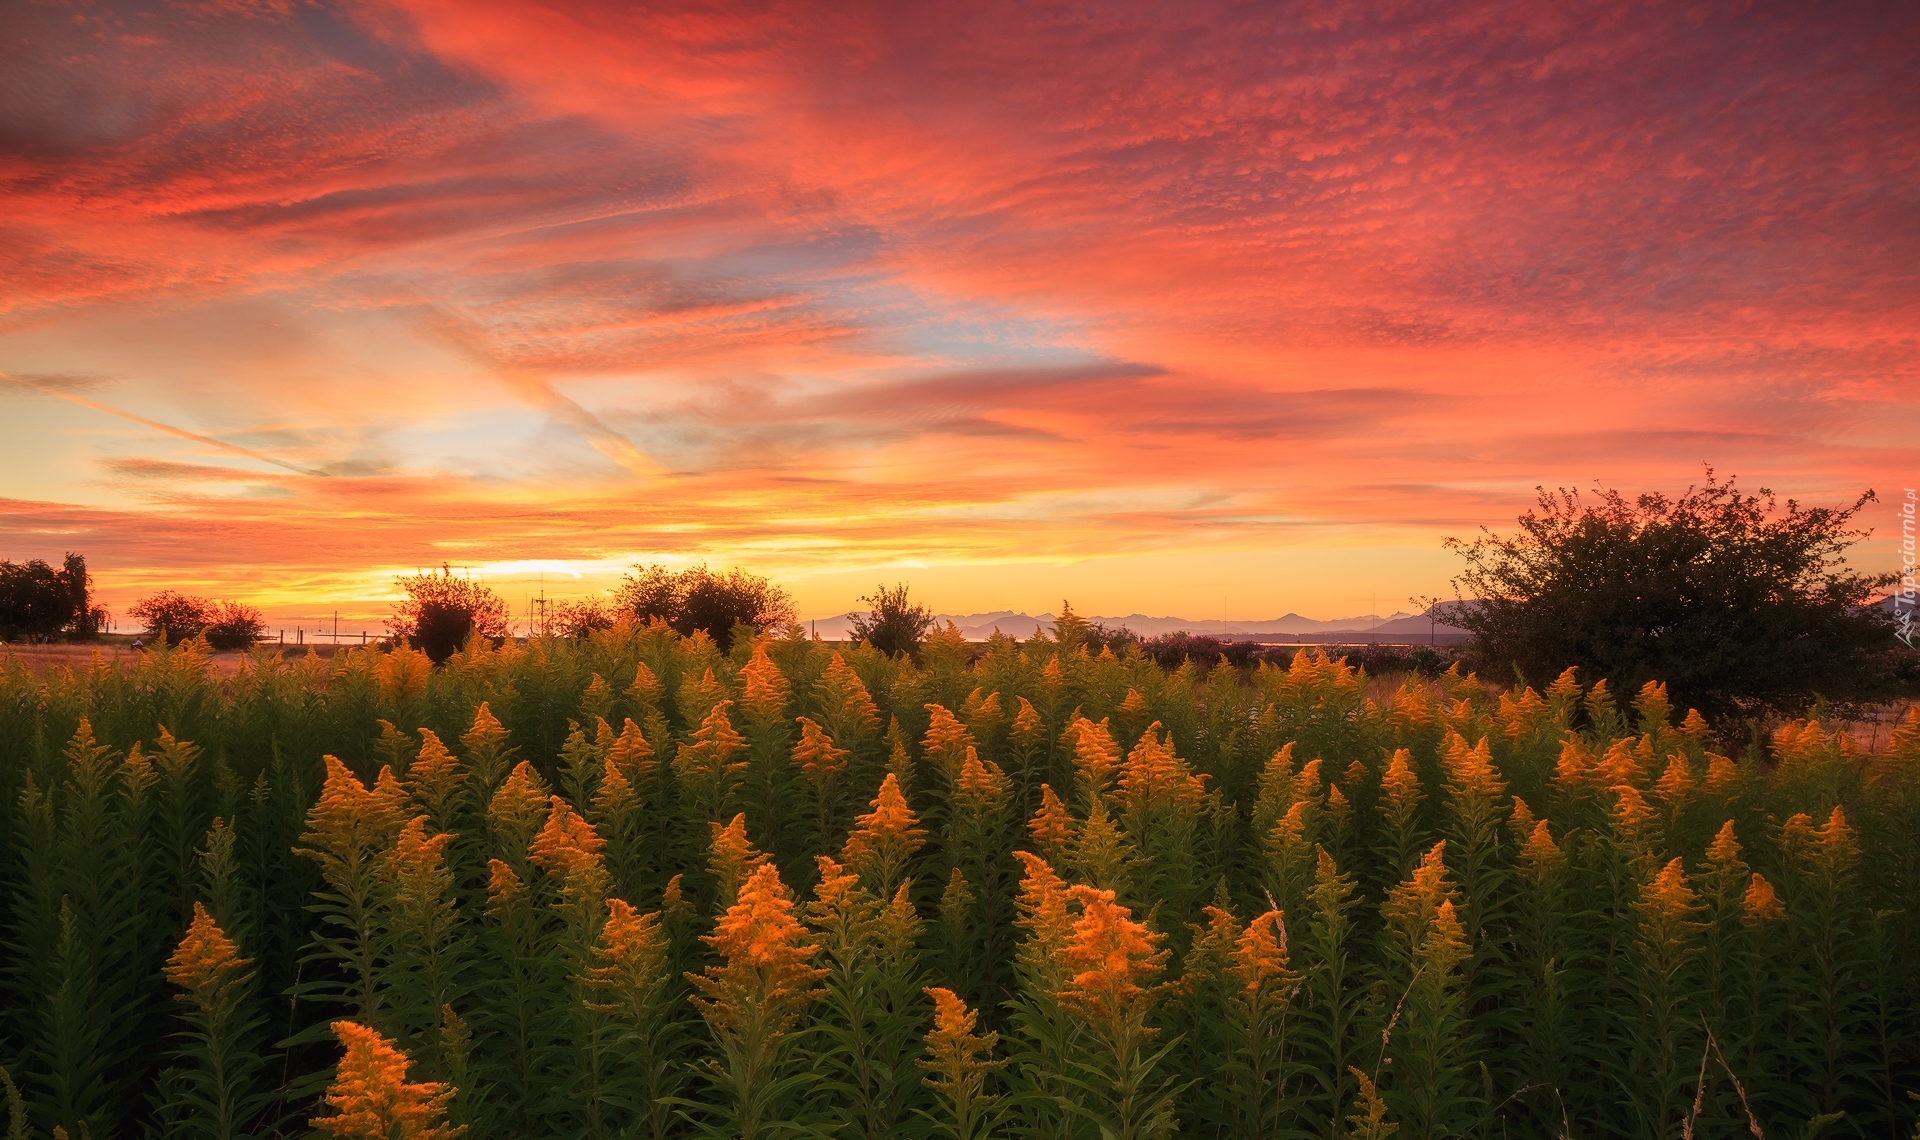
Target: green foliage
(1744,611)
(1479,912)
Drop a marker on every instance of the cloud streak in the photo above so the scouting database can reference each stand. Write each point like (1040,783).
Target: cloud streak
(830,290)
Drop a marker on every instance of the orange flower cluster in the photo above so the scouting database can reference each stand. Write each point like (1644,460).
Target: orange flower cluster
(350,819)
(504,888)
(1411,907)
(632,953)
(981,789)
(1520,716)
(1154,778)
(1839,850)
(844,701)
(763,690)
(733,858)
(1668,900)
(400,676)
(1630,811)
(1521,819)
(1095,755)
(1725,847)
(632,756)
(1042,906)
(371,1098)
(1401,786)
(1110,956)
(1540,851)
(568,848)
(418,864)
(1027,725)
(816,755)
(1260,953)
(884,839)
(767,971)
(1575,771)
(954,1051)
(1652,704)
(1722,777)
(1052,826)
(1695,725)
(515,812)
(435,778)
(946,742)
(1760,905)
(1470,772)
(705,762)
(1411,709)
(1134,706)
(1676,784)
(1625,763)
(206,957)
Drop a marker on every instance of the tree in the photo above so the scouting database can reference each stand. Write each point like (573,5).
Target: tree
(698,598)
(172,616)
(38,601)
(440,612)
(895,625)
(1744,611)
(234,625)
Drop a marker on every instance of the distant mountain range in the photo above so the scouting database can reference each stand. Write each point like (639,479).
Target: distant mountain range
(1395,627)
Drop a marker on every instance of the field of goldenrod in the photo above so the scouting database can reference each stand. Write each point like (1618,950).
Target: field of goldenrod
(635,886)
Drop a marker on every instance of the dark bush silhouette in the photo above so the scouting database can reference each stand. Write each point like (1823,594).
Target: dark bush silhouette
(699,599)
(1745,611)
(1170,649)
(172,616)
(579,619)
(894,625)
(233,625)
(40,602)
(440,612)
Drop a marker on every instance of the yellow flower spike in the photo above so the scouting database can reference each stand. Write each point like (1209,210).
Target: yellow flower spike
(519,807)
(946,742)
(1760,905)
(765,976)
(884,839)
(205,957)
(1053,825)
(763,688)
(733,858)
(1725,847)
(1540,851)
(371,1098)
(816,756)
(1260,952)
(981,789)
(1095,754)
(1111,958)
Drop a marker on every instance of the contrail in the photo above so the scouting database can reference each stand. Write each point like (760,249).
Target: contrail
(538,390)
(182,433)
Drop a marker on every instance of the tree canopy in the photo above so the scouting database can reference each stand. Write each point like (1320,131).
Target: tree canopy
(701,599)
(1746,610)
(894,625)
(440,612)
(41,601)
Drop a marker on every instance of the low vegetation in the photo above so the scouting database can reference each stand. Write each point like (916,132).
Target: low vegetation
(636,884)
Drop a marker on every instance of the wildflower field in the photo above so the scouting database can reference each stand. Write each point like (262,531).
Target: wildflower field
(635,886)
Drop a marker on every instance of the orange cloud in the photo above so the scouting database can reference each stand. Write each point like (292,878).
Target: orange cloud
(842,291)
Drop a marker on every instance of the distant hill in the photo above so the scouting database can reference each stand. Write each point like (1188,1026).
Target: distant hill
(1401,627)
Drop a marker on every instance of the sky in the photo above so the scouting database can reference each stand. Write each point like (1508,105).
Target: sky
(1209,309)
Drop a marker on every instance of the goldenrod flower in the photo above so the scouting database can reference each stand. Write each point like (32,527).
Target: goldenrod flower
(884,840)
(946,741)
(1260,953)
(1521,819)
(1540,851)
(435,778)
(1095,755)
(1153,777)
(1676,784)
(350,817)
(205,957)
(766,977)
(1052,826)
(1575,769)
(1042,906)
(763,690)
(955,1062)
(1027,725)
(706,764)
(1722,777)
(816,755)
(504,888)
(844,701)
(1695,725)
(733,858)
(632,952)
(1134,706)
(517,809)
(372,1099)
(568,848)
(1565,687)
(1725,847)
(1401,785)
(645,690)
(1110,956)
(980,789)
(1760,904)
(1411,906)
(632,755)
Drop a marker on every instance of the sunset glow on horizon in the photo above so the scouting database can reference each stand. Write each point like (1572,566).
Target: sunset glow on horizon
(1200,309)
